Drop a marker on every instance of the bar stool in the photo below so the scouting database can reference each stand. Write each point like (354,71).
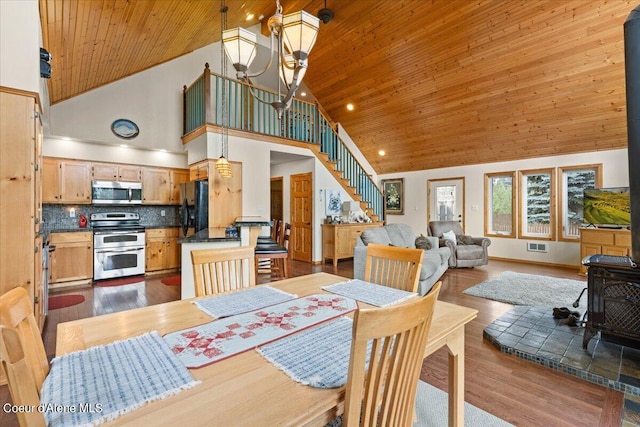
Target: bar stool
(277,255)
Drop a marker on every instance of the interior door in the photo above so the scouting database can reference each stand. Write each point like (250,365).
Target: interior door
(301,216)
(445,200)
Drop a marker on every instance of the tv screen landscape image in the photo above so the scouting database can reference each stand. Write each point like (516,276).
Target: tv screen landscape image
(607,206)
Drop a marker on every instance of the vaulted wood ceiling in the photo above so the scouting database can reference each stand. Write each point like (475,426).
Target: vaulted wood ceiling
(434,83)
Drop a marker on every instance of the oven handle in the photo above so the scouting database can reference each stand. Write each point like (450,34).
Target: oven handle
(102,233)
(106,251)
(130,194)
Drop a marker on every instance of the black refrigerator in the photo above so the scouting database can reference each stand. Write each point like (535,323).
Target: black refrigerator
(194,209)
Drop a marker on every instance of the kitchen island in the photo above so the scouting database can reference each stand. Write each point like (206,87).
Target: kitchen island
(250,227)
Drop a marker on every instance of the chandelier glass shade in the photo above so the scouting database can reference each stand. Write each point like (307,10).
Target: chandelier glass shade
(292,38)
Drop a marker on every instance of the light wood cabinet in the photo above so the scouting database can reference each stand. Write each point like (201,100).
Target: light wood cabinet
(338,240)
(177,177)
(156,186)
(116,172)
(66,181)
(200,170)
(225,196)
(20,198)
(162,250)
(604,241)
(70,258)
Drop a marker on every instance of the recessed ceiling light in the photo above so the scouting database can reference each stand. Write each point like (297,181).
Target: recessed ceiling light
(350,107)
(250,16)
(303,93)
(381,152)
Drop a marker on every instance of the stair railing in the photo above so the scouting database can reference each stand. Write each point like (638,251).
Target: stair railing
(302,122)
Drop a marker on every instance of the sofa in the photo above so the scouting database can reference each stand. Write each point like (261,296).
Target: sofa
(466,251)
(434,262)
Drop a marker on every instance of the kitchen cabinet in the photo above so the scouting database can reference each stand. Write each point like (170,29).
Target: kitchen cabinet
(20,178)
(177,177)
(162,250)
(116,172)
(604,241)
(338,240)
(225,196)
(200,170)
(66,181)
(70,258)
(156,186)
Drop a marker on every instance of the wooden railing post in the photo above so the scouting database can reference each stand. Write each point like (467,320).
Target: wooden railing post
(207,94)
(184,110)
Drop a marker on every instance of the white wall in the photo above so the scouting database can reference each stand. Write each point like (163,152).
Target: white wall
(152,99)
(20,44)
(56,147)
(615,173)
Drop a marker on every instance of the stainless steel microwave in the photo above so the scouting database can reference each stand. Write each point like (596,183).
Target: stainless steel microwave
(116,193)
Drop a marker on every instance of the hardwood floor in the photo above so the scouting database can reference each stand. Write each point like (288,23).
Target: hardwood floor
(517,391)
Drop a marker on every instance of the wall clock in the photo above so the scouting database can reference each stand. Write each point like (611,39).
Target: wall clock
(125,129)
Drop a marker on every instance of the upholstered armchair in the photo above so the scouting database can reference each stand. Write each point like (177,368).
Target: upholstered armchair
(466,251)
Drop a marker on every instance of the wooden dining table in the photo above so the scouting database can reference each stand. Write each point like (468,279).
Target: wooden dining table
(246,389)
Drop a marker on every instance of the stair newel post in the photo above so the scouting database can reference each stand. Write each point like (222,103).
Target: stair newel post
(206,88)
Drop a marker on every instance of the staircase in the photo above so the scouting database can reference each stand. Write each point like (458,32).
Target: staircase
(301,123)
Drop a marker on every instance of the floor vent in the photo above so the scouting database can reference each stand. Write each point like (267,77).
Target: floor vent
(536,247)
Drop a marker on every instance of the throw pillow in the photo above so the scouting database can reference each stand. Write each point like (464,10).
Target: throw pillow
(423,243)
(450,235)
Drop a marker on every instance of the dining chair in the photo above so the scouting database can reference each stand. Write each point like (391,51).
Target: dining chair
(222,270)
(278,256)
(382,392)
(22,354)
(393,266)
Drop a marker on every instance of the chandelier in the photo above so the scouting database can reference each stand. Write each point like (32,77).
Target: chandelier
(222,164)
(292,38)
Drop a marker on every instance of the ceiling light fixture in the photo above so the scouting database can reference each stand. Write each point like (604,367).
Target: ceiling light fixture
(222,164)
(381,152)
(292,38)
(350,107)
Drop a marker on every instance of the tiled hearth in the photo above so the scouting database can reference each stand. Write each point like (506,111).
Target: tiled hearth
(532,333)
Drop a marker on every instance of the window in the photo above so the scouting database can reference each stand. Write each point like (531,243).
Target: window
(574,180)
(500,197)
(537,204)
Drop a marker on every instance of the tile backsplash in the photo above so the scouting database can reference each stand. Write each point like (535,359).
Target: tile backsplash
(56,217)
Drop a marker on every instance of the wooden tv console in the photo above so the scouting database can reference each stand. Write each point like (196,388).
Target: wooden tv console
(606,241)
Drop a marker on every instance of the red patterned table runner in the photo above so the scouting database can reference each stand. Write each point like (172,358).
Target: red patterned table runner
(205,344)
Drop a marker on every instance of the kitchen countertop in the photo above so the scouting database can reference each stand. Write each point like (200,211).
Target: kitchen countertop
(209,235)
(252,221)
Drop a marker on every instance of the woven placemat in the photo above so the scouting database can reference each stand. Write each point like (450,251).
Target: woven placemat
(242,301)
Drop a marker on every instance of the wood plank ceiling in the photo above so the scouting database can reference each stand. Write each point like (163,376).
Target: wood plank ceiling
(434,83)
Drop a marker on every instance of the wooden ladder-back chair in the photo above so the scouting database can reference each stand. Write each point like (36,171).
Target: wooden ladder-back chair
(22,353)
(394,267)
(222,270)
(278,256)
(384,393)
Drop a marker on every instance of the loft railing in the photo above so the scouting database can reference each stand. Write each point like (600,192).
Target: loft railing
(303,121)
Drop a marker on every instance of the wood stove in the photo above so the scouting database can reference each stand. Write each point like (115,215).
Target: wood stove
(613,300)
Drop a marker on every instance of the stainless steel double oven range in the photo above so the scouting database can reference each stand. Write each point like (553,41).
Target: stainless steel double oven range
(118,245)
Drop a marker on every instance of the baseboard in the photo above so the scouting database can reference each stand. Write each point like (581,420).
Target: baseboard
(547,264)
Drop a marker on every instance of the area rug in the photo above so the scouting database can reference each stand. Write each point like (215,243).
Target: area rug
(172,280)
(531,289)
(432,411)
(120,281)
(63,301)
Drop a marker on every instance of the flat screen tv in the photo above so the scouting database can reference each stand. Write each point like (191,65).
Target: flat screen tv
(607,207)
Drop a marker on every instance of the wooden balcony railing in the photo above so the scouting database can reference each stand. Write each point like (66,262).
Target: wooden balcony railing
(303,122)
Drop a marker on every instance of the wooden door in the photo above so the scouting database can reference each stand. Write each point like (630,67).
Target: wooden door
(155,254)
(277,198)
(71,261)
(302,216)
